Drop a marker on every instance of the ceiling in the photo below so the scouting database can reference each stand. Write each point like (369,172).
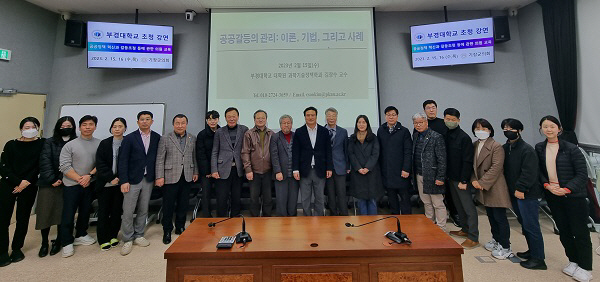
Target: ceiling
(179,6)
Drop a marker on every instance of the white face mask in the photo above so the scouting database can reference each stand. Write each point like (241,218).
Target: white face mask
(30,133)
(482,135)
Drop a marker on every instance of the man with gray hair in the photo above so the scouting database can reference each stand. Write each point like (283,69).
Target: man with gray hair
(429,157)
(336,185)
(286,187)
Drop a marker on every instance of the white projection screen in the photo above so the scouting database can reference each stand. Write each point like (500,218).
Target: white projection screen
(283,61)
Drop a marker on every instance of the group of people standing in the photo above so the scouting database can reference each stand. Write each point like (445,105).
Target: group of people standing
(439,158)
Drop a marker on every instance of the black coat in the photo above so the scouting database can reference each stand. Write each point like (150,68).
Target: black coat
(459,149)
(570,167)
(302,152)
(395,156)
(49,172)
(521,169)
(366,155)
(204,144)
(433,161)
(104,162)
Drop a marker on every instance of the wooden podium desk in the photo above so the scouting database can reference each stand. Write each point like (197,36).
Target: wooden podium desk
(281,251)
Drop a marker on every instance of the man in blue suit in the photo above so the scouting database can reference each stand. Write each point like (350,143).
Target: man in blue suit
(312,162)
(136,169)
(336,184)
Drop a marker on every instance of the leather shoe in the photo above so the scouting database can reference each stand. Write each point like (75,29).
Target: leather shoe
(167,238)
(458,233)
(179,230)
(524,255)
(534,264)
(4,260)
(469,244)
(43,250)
(55,248)
(16,256)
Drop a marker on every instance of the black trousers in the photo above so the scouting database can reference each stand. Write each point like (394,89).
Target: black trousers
(110,209)
(449,201)
(570,215)
(207,187)
(336,194)
(500,226)
(399,206)
(75,199)
(260,192)
(229,190)
(24,201)
(175,193)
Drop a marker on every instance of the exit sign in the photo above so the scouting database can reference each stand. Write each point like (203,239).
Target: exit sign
(5,54)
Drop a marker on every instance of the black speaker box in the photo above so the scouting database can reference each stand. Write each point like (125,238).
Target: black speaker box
(501,30)
(75,34)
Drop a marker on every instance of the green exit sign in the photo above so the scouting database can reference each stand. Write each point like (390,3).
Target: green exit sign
(5,54)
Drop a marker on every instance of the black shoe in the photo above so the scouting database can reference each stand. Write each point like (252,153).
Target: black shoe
(55,248)
(16,256)
(179,230)
(534,264)
(524,255)
(4,260)
(43,250)
(167,238)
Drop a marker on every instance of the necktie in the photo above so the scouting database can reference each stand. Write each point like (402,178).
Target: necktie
(331,135)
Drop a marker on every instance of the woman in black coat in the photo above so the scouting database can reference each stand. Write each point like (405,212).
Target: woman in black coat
(48,209)
(110,197)
(19,168)
(564,176)
(363,152)
(395,160)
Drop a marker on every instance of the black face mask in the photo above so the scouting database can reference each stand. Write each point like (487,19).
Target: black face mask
(65,131)
(511,135)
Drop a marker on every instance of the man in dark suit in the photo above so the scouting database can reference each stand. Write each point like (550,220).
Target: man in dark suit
(137,160)
(204,144)
(226,163)
(176,169)
(311,161)
(336,185)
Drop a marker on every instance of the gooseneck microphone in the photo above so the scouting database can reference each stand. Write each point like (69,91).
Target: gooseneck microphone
(242,236)
(397,237)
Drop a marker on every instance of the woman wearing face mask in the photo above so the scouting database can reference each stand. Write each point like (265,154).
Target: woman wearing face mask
(110,198)
(521,174)
(363,152)
(50,199)
(19,168)
(488,179)
(563,173)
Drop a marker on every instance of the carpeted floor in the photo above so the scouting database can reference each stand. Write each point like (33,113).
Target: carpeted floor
(147,264)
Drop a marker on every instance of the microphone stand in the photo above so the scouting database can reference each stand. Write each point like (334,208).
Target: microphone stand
(243,236)
(398,237)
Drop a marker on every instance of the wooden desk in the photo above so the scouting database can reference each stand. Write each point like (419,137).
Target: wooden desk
(281,251)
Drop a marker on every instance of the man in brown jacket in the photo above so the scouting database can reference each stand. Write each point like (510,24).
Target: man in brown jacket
(257,164)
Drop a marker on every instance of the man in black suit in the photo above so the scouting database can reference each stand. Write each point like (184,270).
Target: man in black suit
(137,161)
(312,162)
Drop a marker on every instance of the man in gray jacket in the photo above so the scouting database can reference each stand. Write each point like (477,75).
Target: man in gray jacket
(286,187)
(226,163)
(429,156)
(175,170)
(336,184)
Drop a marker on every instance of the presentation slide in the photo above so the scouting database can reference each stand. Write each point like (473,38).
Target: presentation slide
(131,46)
(453,43)
(283,61)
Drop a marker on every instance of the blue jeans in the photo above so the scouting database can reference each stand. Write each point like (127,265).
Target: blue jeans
(367,207)
(528,216)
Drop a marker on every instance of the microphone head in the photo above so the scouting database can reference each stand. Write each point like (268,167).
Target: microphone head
(348,224)
(211,224)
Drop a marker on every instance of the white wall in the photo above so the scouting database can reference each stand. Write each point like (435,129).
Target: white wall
(588,60)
